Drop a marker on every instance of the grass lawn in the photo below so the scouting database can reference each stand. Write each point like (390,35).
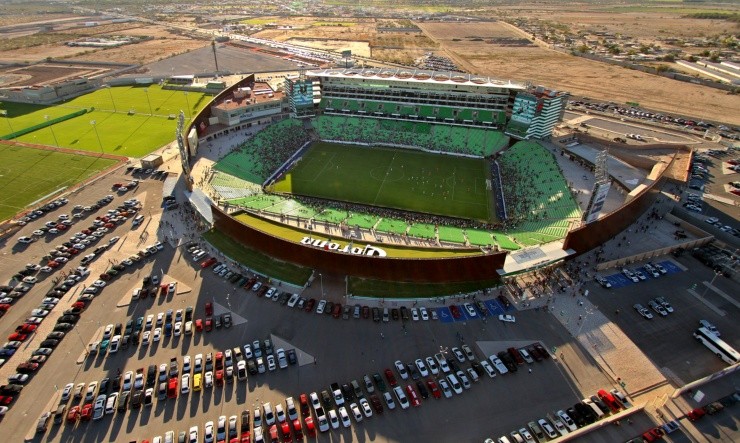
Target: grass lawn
(380,288)
(395,178)
(27,174)
(257,261)
(120,133)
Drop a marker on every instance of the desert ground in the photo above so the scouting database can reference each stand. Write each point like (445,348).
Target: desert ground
(577,75)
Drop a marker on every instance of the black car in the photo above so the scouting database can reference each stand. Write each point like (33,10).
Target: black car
(226,318)
(577,417)
(348,393)
(116,384)
(68,319)
(123,401)
(151,376)
(218,321)
(63,326)
(49,343)
(376,315)
(10,389)
(104,386)
(136,399)
(56,335)
(251,367)
(422,389)
(292,358)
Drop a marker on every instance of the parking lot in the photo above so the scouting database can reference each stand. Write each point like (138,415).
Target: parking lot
(327,349)
(667,341)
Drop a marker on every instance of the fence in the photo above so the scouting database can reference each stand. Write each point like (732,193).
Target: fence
(42,125)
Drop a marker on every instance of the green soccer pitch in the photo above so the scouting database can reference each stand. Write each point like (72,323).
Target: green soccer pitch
(393,178)
(131,121)
(28,174)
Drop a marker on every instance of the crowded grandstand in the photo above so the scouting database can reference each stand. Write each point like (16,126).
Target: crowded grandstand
(445,117)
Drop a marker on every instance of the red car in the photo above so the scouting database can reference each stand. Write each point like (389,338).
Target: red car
(390,377)
(365,312)
(310,427)
(61,227)
(303,400)
(199,325)
(433,387)
(5,400)
(455,311)
(172,388)
(87,412)
(696,414)
(336,310)
(26,328)
(209,309)
(653,435)
(609,399)
(287,436)
(208,262)
(220,377)
(309,305)
(73,415)
(297,430)
(245,438)
(78,305)
(209,324)
(273,434)
(4,307)
(17,336)
(52,264)
(413,398)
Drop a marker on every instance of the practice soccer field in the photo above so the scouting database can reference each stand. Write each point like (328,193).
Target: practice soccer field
(131,121)
(28,174)
(394,178)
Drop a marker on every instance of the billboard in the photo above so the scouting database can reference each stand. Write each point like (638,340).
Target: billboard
(596,204)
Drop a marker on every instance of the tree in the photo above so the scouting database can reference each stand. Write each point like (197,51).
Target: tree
(614,50)
(583,48)
(669,58)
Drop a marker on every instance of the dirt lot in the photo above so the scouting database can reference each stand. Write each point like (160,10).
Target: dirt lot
(642,25)
(578,75)
(165,44)
(145,52)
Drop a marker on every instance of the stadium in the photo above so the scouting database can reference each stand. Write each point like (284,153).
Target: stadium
(397,176)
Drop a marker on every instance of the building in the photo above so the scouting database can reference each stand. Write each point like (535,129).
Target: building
(536,112)
(451,98)
(256,102)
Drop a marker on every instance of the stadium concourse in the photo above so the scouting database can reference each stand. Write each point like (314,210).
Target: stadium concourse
(539,203)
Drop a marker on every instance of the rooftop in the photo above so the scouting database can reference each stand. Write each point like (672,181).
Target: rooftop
(259,92)
(418,76)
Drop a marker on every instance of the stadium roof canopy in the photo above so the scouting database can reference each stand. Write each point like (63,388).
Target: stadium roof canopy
(418,76)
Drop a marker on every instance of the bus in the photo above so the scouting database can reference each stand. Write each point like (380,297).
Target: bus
(717,346)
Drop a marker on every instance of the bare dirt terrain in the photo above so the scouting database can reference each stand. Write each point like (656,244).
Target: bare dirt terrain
(577,75)
(145,52)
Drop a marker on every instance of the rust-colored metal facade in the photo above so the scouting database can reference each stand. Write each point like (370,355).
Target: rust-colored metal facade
(472,268)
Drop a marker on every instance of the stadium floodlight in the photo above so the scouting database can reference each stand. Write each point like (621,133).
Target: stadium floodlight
(95,128)
(111,97)
(51,128)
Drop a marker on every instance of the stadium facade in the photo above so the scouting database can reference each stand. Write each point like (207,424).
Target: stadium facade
(464,101)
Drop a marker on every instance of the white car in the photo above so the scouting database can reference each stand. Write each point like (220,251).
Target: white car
(67,392)
(470,310)
(458,355)
(414,314)
(157,335)
(282,361)
(128,378)
(422,367)
(424,314)
(185,384)
(333,419)
(356,411)
(401,370)
(507,318)
(388,400)
(208,379)
(320,308)
(488,368)
(366,409)
(498,364)
(567,421)
(98,283)
(432,365)
(445,387)
(442,363)
(271,363)
(455,384)
(344,417)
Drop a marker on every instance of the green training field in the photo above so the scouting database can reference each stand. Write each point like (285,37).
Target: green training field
(394,178)
(27,174)
(134,135)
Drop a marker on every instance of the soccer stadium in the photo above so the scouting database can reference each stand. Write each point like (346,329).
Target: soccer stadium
(391,175)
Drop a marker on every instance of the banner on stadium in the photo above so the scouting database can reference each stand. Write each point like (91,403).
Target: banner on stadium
(368,250)
(596,204)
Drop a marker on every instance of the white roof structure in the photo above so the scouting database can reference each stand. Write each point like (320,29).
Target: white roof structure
(418,76)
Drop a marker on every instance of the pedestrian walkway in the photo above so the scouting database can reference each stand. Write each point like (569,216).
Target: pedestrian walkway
(617,355)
